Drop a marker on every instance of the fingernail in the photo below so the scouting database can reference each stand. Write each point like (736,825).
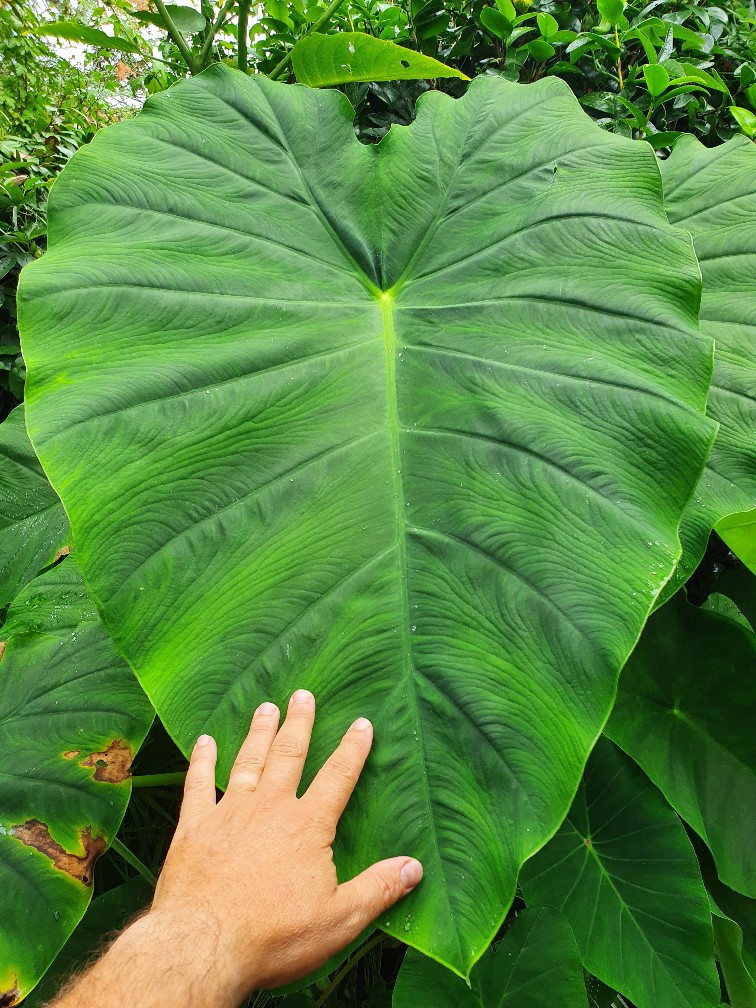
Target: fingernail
(267,708)
(203,740)
(302,696)
(410,874)
(362,724)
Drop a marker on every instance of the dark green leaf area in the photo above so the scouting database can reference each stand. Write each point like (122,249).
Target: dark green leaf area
(622,871)
(535,965)
(33,524)
(684,712)
(393,431)
(712,194)
(71,717)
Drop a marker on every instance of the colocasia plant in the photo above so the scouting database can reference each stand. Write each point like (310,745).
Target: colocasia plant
(438,428)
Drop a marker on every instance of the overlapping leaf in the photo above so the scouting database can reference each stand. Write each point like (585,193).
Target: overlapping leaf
(33,524)
(711,192)
(535,965)
(625,876)
(386,422)
(684,712)
(71,717)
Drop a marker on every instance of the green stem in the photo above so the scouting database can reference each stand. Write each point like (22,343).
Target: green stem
(134,861)
(242,35)
(326,16)
(216,27)
(159,780)
(619,58)
(349,966)
(178,38)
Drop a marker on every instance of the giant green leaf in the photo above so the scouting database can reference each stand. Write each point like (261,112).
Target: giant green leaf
(535,965)
(711,192)
(684,712)
(624,874)
(33,524)
(324,60)
(382,421)
(71,716)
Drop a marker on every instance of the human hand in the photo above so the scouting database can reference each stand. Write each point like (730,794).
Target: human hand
(254,872)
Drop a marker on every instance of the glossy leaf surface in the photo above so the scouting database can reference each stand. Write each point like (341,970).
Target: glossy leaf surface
(33,524)
(684,712)
(535,965)
(711,192)
(739,532)
(71,717)
(624,874)
(386,407)
(324,60)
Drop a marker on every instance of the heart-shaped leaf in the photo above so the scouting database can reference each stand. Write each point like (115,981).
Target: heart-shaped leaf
(71,717)
(382,421)
(711,192)
(33,524)
(684,712)
(624,874)
(535,965)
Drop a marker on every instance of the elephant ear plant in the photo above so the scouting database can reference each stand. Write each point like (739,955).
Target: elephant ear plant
(412,425)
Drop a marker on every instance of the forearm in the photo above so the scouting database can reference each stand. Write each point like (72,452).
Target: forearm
(156,963)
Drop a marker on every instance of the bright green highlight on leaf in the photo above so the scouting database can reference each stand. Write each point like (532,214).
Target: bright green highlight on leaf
(324,60)
(71,718)
(739,532)
(623,873)
(392,431)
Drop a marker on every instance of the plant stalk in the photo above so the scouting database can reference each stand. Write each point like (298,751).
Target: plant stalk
(134,861)
(348,967)
(242,35)
(216,27)
(159,780)
(619,58)
(177,37)
(326,16)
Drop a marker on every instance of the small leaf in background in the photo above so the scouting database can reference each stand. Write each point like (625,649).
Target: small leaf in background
(611,10)
(745,119)
(739,532)
(507,9)
(622,871)
(75,32)
(656,78)
(728,945)
(495,22)
(541,50)
(324,60)
(186,19)
(548,25)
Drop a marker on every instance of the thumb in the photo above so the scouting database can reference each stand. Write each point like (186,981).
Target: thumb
(375,890)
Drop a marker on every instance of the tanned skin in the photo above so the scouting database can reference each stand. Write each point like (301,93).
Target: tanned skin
(248,896)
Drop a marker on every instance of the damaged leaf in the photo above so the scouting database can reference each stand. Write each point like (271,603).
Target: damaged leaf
(71,718)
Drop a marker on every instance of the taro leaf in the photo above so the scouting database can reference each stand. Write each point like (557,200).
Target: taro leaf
(105,915)
(385,422)
(739,532)
(684,712)
(186,19)
(323,60)
(624,874)
(33,524)
(711,192)
(535,965)
(728,943)
(71,716)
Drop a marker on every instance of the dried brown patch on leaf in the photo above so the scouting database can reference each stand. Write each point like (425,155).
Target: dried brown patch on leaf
(36,834)
(62,552)
(112,765)
(2,648)
(71,753)
(11,996)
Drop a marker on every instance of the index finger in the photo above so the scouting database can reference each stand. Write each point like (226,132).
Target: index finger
(335,781)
